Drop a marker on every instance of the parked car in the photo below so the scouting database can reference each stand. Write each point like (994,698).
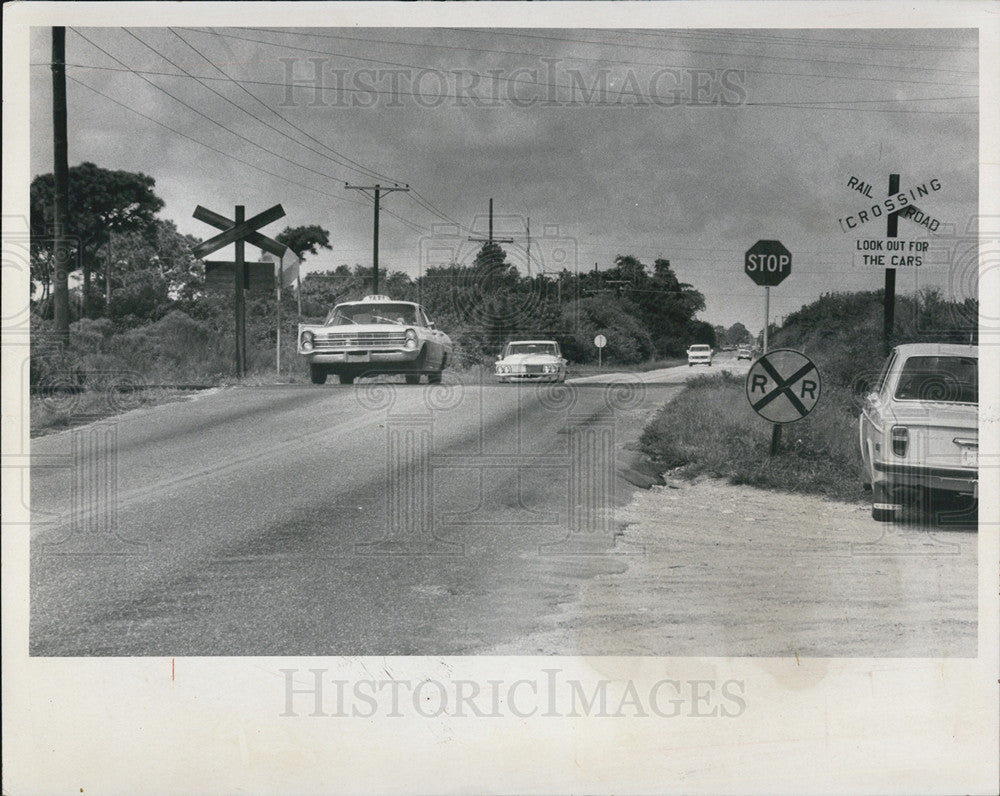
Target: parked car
(373,336)
(744,352)
(531,360)
(699,354)
(918,428)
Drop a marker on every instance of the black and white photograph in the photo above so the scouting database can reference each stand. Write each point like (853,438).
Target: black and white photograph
(509,397)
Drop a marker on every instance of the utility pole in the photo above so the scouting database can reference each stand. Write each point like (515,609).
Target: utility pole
(60,171)
(377,190)
(491,240)
(528,248)
(889,294)
(241,309)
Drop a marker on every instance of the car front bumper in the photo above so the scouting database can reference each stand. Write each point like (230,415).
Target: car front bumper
(529,376)
(361,357)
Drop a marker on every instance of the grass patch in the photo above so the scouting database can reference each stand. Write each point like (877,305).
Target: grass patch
(58,411)
(710,429)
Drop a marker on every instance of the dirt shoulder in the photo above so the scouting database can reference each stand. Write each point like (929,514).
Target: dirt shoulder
(713,569)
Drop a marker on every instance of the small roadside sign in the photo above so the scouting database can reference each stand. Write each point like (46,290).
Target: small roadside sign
(600,341)
(783,385)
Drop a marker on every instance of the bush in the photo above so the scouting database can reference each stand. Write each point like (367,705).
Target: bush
(710,429)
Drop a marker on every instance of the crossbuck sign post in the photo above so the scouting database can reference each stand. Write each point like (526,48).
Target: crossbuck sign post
(239,231)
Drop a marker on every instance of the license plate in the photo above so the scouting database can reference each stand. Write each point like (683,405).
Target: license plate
(359,356)
(970,457)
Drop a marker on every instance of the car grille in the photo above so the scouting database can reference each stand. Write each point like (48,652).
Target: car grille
(359,340)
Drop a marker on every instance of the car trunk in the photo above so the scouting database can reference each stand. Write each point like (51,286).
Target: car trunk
(939,435)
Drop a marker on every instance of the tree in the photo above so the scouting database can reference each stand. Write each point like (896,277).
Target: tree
(101,202)
(304,240)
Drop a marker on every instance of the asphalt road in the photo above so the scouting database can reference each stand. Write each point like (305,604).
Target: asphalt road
(364,520)
(386,519)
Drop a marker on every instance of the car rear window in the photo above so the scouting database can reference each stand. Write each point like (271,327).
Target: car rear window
(700,349)
(947,379)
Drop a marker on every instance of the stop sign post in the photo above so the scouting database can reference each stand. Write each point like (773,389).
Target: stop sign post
(767,263)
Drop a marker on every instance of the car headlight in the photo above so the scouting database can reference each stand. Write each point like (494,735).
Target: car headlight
(307,340)
(411,339)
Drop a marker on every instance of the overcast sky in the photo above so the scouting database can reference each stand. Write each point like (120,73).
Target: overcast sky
(688,145)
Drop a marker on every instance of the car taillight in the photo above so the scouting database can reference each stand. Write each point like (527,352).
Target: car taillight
(411,339)
(306,341)
(900,439)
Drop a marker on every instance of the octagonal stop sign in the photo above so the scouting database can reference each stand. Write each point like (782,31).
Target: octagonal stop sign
(768,262)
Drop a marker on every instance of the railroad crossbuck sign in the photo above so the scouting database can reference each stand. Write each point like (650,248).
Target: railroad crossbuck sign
(783,386)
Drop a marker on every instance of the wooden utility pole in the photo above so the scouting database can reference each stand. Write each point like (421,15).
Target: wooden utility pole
(241,307)
(889,297)
(377,190)
(528,247)
(60,172)
(491,240)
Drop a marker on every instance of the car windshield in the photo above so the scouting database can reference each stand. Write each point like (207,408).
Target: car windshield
(948,379)
(700,349)
(531,348)
(381,312)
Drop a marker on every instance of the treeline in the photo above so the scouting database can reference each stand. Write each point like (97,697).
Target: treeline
(842,332)
(644,312)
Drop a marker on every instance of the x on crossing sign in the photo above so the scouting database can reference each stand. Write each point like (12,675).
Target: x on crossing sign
(234,231)
(783,386)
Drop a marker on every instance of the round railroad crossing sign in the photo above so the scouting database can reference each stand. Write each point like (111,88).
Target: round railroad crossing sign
(600,341)
(783,385)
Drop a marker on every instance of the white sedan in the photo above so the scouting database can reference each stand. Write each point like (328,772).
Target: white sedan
(919,427)
(531,360)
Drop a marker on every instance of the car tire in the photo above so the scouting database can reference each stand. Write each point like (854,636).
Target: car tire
(317,374)
(412,378)
(346,378)
(434,378)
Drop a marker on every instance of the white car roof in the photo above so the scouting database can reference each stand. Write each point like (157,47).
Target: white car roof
(532,342)
(376,300)
(938,349)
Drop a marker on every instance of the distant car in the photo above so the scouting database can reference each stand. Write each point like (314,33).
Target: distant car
(919,426)
(699,354)
(374,336)
(744,352)
(531,360)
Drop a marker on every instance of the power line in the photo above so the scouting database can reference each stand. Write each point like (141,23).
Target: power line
(563,85)
(854,64)
(207,146)
(349,163)
(238,135)
(204,115)
(368,40)
(234,104)
(802,104)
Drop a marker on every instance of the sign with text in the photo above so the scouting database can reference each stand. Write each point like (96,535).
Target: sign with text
(783,385)
(767,262)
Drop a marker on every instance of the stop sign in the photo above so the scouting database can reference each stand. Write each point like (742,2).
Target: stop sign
(768,262)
